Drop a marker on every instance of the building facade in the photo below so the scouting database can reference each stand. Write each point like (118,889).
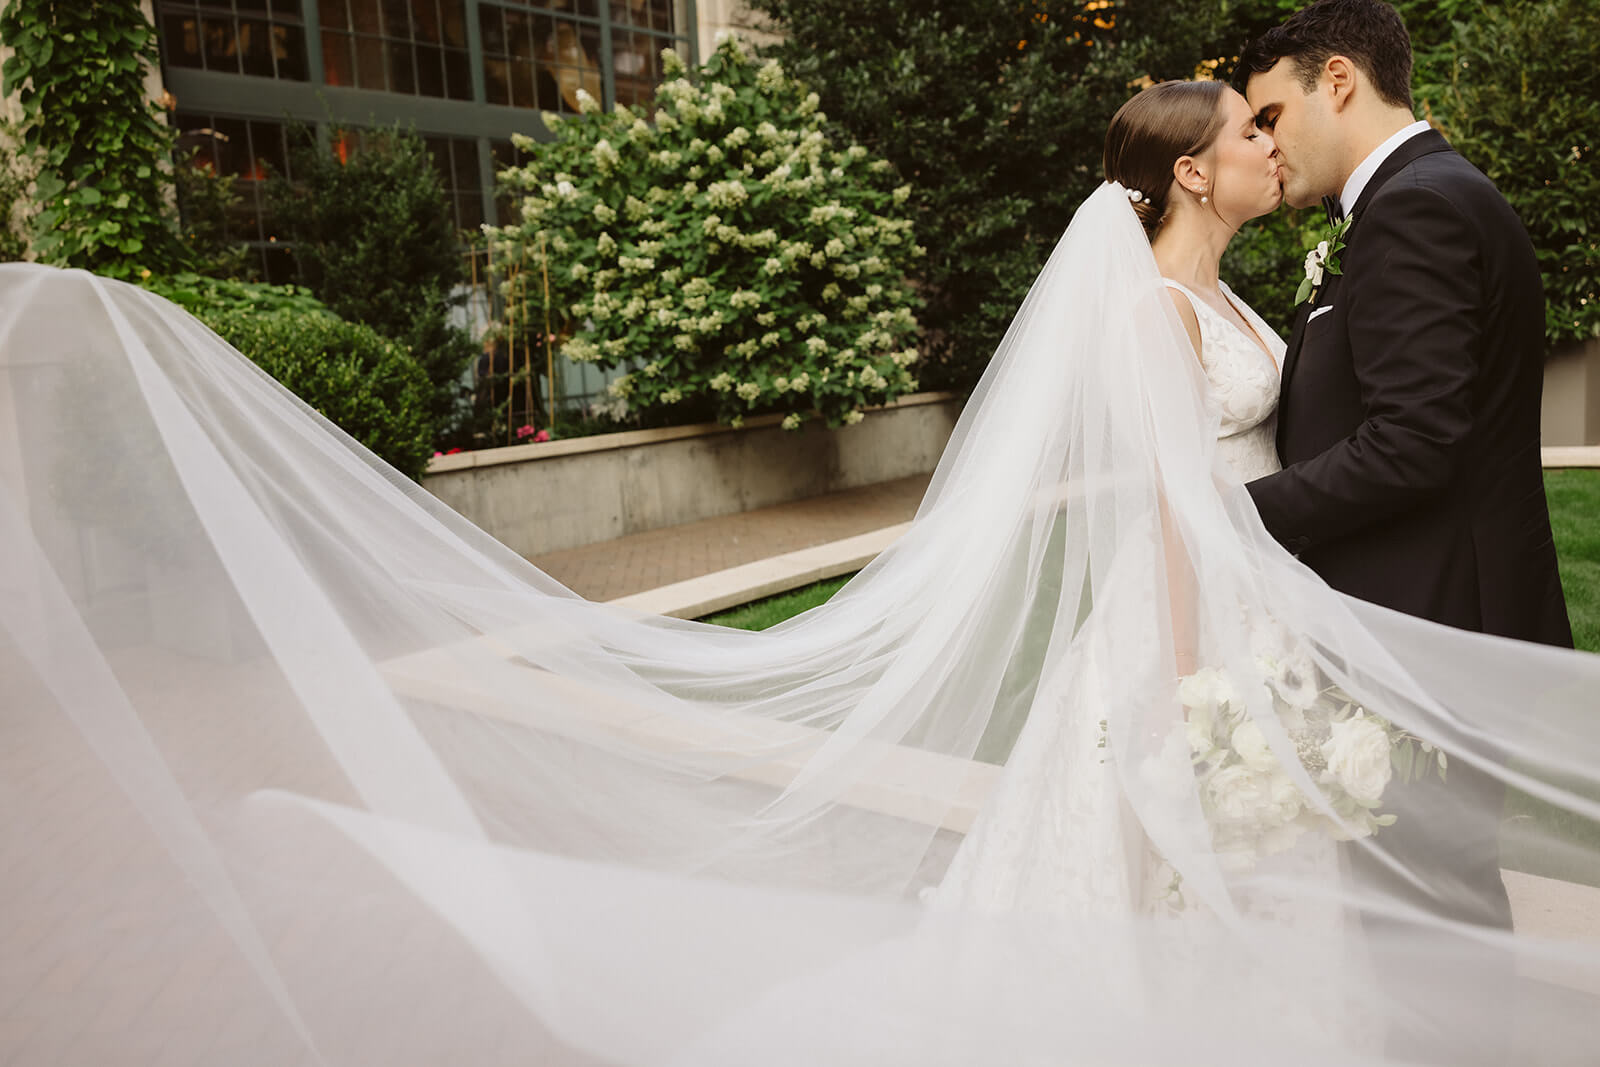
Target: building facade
(466,74)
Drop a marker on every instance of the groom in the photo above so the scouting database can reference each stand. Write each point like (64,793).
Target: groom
(1409,414)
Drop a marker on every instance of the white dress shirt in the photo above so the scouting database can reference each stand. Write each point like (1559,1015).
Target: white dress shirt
(1369,166)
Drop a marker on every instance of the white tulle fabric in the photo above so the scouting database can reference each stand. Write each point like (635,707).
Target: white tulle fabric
(300,767)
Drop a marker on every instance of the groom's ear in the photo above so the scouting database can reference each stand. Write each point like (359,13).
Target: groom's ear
(1338,80)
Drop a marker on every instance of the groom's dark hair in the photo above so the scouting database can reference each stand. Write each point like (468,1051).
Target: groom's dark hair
(1369,33)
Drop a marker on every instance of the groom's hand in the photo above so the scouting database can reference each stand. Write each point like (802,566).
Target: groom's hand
(1410,296)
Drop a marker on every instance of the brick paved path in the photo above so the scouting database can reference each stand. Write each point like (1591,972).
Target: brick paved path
(655,558)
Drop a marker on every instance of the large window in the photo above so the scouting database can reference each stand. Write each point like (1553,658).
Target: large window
(418,47)
(265,38)
(250,150)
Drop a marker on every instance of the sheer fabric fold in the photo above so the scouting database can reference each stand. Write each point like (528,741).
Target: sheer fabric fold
(301,767)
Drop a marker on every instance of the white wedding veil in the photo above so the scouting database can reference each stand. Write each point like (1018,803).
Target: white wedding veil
(301,767)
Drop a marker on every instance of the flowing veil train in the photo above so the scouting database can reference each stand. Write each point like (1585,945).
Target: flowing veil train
(301,767)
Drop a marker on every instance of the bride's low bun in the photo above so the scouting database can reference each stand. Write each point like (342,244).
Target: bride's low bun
(1154,130)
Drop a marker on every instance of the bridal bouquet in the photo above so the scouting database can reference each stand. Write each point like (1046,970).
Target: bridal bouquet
(1254,807)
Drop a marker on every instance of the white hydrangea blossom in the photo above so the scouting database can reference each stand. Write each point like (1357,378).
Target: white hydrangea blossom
(816,346)
(721,382)
(736,137)
(800,382)
(871,379)
(773,266)
(671,396)
(744,298)
(791,421)
(853,417)
(766,318)
(605,156)
(748,391)
(770,77)
(831,291)
(672,64)
(770,339)
(685,342)
(809,105)
(651,369)
(587,104)
(605,244)
(605,214)
(727,194)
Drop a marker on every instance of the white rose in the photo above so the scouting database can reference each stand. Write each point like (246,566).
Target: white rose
(1358,759)
(1208,687)
(1252,746)
(1314,267)
(1238,794)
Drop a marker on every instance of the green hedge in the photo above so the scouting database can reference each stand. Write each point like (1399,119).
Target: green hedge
(367,385)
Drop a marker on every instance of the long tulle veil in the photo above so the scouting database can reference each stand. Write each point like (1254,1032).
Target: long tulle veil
(301,767)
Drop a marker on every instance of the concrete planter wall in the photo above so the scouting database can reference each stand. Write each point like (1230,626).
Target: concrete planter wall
(1571,409)
(541,498)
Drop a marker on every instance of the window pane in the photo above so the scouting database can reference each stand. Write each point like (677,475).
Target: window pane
(333,14)
(180,37)
(338,60)
(425,20)
(364,14)
(290,9)
(222,47)
(454,15)
(250,5)
(464,154)
(661,14)
(496,81)
(255,47)
(522,94)
(266,138)
(458,75)
(402,72)
(369,63)
(430,71)
(549,91)
(469,210)
(289,48)
(397,18)
(493,30)
(519,34)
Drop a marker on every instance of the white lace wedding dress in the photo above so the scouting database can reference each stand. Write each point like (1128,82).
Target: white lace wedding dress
(1057,838)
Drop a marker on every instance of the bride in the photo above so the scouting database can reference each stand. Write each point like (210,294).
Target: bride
(300,767)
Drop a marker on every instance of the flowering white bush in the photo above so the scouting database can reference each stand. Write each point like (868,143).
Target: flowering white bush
(720,249)
(1254,806)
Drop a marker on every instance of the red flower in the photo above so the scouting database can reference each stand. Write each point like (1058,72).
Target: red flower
(524,431)
(542,436)
(452,452)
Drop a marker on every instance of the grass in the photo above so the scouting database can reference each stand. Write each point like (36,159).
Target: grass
(760,614)
(1575,516)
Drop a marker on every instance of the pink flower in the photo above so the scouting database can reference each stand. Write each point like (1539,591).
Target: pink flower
(436,455)
(542,436)
(524,431)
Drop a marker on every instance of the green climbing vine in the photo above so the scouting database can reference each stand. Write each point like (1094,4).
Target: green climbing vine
(98,145)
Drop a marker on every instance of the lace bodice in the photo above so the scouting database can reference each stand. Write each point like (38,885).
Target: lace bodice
(1243,384)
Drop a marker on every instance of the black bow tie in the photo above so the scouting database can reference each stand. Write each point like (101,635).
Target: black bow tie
(1335,209)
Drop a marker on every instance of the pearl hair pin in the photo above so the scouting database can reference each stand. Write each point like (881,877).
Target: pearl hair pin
(1135,195)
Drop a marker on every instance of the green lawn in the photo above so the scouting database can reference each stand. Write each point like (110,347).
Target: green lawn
(1575,515)
(760,614)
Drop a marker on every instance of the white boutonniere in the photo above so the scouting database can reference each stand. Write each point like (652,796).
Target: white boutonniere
(1323,260)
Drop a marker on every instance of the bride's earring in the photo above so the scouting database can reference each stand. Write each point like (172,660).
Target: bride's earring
(1205,199)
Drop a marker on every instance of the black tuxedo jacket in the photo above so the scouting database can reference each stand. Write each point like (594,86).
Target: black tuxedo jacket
(1408,422)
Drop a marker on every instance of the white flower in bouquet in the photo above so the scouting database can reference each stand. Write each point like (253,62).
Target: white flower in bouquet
(1358,754)
(1251,745)
(1239,794)
(1208,687)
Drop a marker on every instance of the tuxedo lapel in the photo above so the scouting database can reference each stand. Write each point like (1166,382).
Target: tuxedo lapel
(1421,145)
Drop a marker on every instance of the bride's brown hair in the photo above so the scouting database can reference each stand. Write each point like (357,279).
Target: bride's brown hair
(1153,131)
